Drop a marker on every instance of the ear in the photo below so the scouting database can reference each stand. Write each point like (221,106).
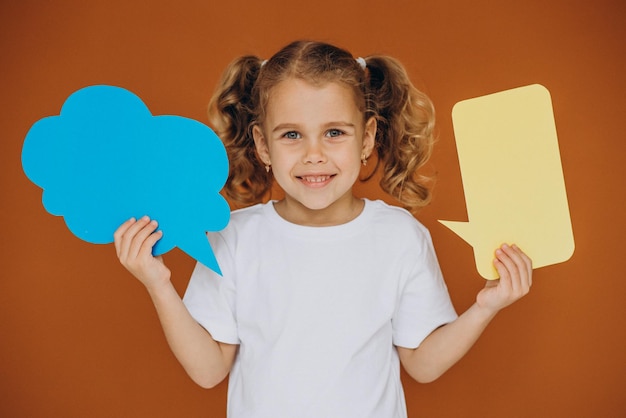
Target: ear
(369,137)
(261,145)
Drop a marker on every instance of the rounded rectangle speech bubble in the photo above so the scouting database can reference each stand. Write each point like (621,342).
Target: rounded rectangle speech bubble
(512,177)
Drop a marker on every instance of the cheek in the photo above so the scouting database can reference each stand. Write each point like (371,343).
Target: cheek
(354,156)
(283,163)
(350,161)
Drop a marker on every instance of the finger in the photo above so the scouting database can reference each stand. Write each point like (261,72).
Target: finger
(137,246)
(519,258)
(504,280)
(520,272)
(150,241)
(128,237)
(527,261)
(119,233)
(504,256)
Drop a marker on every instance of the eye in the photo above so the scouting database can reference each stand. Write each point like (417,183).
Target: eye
(291,135)
(334,133)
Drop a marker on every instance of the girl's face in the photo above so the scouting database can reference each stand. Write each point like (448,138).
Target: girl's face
(314,137)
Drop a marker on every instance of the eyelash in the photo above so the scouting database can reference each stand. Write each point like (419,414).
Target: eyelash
(286,135)
(338,132)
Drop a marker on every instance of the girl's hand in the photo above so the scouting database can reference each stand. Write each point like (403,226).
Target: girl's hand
(515,270)
(134,240)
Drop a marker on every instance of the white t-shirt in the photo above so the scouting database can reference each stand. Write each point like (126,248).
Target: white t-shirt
(317,310)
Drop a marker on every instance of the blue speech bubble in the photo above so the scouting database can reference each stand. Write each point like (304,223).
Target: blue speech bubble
(106,159)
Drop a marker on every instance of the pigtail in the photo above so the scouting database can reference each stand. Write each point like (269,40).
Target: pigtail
(231,113)
(404,138)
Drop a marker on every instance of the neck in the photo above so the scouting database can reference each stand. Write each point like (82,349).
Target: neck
(338,213)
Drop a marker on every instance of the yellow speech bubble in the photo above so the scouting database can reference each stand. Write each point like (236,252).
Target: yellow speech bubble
(512,176)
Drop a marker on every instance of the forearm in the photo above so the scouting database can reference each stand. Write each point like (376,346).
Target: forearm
(446,345)
(206,361)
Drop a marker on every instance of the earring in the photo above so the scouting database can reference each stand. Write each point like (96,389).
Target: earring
(364,160)
(267,167)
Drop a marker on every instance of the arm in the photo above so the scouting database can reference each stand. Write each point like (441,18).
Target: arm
(449,343)
(206,361)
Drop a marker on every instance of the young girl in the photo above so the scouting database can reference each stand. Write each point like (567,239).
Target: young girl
(323,294)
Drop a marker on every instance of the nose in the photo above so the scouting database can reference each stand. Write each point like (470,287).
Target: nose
(314,152)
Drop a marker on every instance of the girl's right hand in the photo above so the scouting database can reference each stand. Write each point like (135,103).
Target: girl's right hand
(134,240)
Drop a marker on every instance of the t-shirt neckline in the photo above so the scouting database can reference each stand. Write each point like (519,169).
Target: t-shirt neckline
(348,228)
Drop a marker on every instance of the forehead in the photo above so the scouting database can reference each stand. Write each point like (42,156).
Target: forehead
(293,99)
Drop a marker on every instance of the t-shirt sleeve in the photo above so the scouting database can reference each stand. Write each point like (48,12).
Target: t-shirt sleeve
(424,303)
(210,298)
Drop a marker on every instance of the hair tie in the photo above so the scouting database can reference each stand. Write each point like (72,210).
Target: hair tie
(361,62)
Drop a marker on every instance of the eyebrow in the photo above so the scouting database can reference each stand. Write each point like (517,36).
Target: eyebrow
(283,126)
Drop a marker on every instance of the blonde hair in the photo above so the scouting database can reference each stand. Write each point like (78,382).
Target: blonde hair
(405,116)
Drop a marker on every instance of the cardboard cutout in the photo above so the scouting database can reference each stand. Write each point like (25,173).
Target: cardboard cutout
(106,159)
(512,177)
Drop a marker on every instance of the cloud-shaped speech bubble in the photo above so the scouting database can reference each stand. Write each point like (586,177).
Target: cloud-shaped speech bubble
(106,159)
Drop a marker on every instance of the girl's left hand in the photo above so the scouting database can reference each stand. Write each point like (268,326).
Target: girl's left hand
(515,270)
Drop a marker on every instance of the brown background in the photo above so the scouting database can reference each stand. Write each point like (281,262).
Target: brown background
(79,337)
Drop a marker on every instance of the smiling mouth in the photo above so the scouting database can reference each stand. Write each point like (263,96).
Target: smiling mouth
(315,180)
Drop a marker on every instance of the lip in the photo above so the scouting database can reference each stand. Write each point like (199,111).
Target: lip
(315,180)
